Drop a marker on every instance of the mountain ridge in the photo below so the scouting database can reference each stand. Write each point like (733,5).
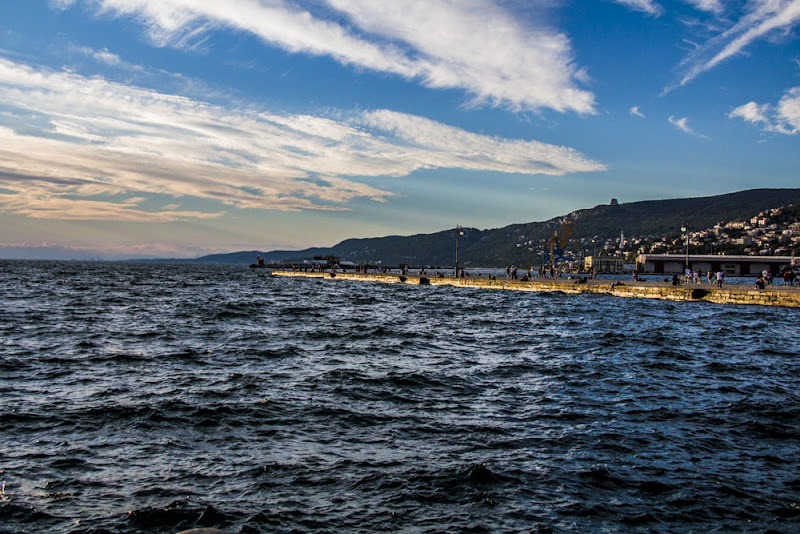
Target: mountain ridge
(523,243)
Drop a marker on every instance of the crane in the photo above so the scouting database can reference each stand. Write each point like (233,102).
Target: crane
(555,244)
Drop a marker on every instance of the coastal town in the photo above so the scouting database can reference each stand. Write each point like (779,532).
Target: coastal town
(665,268)
(771,233)
(766,242)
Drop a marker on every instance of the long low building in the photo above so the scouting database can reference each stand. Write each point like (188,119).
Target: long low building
(730,265)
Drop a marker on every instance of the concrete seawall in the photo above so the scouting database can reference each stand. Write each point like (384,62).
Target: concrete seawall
(730,294)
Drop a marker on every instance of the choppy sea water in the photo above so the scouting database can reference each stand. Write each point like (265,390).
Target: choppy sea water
(157,398)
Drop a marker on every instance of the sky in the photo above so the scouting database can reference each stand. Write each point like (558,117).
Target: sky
(178,128)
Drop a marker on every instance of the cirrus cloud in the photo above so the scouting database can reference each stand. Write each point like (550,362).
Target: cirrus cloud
(761,19)
(651,7)
(683,125)
(85,148)
(713,6)
(506,61)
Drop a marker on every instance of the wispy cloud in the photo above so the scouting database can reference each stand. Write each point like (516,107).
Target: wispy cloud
(456,148)
(712,6)
(683,125)
(761,19)
(635,111)
(103,56)
(648,6)
(508,60)
(99,250)
(86,148)
(31,202)
(783,118)
(106,57)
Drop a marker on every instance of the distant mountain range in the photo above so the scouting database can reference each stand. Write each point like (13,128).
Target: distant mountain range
(524,243)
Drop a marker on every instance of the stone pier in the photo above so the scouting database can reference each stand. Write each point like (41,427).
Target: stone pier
(728,294)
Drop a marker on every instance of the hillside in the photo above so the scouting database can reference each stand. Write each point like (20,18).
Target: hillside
(524,243)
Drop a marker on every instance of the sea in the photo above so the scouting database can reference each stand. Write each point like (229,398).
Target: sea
(158,398)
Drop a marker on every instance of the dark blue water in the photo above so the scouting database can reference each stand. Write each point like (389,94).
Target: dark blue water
(157,398)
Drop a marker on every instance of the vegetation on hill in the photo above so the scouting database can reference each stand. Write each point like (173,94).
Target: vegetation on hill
(524,244)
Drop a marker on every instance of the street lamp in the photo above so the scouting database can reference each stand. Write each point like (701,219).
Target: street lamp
(459,231)
(685,229)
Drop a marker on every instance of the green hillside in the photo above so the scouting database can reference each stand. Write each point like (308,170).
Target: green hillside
(523,244)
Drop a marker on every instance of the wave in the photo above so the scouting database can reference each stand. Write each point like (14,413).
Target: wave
(296,405)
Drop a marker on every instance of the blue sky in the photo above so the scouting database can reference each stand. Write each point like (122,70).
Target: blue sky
(185,127)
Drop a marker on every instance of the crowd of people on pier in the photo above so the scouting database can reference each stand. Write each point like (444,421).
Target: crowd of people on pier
(790,278)
(544,272)
(765,278)
(716,278)
(712,277)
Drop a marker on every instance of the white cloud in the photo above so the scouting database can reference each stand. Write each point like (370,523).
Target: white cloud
(789,109)
(105,57)
(648,6)
(72,146)
(456,148)
(783,118)
(635,111)
(38,205)
(712,6)
(105,250)
(751,112)
(683,125)
(506,61)
(61,4)
(762,19)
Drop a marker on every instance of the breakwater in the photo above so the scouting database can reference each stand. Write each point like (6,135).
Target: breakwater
(730,294)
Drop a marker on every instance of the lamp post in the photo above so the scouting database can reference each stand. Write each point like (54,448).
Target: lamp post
(685,229)
(459,232)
